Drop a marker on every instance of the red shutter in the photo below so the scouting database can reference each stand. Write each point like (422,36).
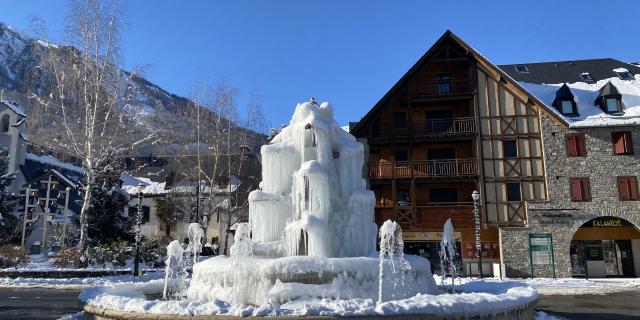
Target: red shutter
(633,188)
(574,186)
(618,143)
(572,146)
(623,188)
(581,145)
(586,189)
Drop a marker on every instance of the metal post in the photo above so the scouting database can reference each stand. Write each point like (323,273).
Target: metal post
(136,262)
(476,215)
(49,182)
(198,203)
(64,223)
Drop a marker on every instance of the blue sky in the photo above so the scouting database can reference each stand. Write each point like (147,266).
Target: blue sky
(347,52)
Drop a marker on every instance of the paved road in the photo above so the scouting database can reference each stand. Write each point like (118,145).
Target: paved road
(613,306)
(37,303)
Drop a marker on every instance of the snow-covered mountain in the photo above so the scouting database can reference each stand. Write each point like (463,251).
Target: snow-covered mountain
(21,80)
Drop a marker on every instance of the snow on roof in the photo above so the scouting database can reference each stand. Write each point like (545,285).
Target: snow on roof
(13,106)
(130,185)
(585,94)
(64,178)
(49,160)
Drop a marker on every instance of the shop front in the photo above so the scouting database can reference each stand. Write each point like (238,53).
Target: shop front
(606,247)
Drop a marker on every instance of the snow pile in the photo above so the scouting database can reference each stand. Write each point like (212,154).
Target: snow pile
(71,283)
(573,286)
(313,199)
(130,185)
(478,297)
(585,94)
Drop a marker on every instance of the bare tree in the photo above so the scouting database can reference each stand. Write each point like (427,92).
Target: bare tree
(91,93)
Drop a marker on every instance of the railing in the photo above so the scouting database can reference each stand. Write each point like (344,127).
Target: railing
(446,126)
(447,87)
(423,168)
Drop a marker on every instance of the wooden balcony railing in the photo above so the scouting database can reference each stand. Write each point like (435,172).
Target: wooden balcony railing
(423,168)
(439,88)
(451,126)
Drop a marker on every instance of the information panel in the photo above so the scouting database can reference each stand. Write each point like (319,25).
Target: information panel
(541,250)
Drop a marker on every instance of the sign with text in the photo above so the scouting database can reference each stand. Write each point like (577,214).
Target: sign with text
(541,250)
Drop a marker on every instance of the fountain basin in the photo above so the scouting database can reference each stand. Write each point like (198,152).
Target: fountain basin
(479,299)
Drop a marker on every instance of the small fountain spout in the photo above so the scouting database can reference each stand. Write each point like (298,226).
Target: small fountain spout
(173,262)
(391,248)
(448,253)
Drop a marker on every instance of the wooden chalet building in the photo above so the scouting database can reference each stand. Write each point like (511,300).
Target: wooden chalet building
(454,123)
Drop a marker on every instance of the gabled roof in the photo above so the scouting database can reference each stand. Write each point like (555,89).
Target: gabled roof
(13,106)
(609,89)
(568,71)
(564,92)
(448,35)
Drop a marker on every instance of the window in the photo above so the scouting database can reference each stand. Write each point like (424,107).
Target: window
(575,144)
(580,189)
(441,154)
(5,123)
(509,148)
(443,195)
(133,212)
(623,74)
(613,105)
(628,188)
(444,84)
(586,76)
(622,143)
(400,120)
(403,198)
(522,69)
(513,192)
(567,107)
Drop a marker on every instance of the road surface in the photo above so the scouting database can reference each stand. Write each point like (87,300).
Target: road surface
(37,303)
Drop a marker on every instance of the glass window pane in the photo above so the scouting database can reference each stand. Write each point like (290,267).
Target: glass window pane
(612,105)
(509,148)
(513,192)
(567,106)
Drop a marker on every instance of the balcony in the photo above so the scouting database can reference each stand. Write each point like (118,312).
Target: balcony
(445,127)
(443,88)
(427,215)
(423,169)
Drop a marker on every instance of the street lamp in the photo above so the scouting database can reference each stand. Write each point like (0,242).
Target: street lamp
(136,262)
(476,215)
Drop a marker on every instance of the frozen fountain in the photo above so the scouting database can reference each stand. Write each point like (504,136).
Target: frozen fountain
(311,223)
(173,268)
(448,260)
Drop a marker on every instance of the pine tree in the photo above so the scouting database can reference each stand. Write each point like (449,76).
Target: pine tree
(10,232)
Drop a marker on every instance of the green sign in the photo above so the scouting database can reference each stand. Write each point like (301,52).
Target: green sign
(541,251)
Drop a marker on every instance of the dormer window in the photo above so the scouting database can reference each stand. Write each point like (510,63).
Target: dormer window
(564,102)
(522,69)
(623,74)
(609,99)
(586,77)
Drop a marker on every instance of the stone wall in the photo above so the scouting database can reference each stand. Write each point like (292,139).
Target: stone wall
(562,217)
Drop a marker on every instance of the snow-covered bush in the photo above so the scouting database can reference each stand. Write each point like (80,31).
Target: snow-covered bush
(67,258)
(13,256)
(153,252)
(114,254)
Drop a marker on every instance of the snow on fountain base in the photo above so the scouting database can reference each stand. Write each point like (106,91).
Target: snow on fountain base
(302,278)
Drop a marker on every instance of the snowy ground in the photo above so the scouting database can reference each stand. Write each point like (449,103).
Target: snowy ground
(39,262)
(573,286)
(76,283)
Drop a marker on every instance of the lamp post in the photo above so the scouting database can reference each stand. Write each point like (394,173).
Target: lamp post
(476,215)
(136,262)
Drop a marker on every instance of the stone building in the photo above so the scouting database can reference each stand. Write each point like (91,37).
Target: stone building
(546,158)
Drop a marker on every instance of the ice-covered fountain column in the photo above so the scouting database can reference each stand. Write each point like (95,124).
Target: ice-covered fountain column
(313,199)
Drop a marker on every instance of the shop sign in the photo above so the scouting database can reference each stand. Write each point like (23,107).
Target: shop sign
(490,250)
(426,236)
(607,222)
(541,250)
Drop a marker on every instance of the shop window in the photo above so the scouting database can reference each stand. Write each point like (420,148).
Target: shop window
(400,120)
(510,148)
(580,189)
(575,144)
(593,250)
(628,188)
(403,198)
(622,143)
(5,123)
(443,195)
(513,192)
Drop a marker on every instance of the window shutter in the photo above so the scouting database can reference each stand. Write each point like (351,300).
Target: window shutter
(586,186)
(633,188)
(581,145)
(575,190)
(623,188)
(618,142)
(572,148)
